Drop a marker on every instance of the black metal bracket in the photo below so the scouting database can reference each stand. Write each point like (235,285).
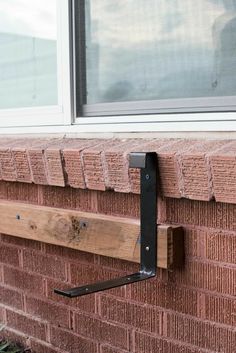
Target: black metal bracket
(147,162)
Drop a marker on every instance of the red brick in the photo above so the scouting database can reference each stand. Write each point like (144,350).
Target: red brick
(54,196)
(201,334)
(26,324)
(84,303)
(38,166)
(68,341)
(69,254)
(196,171)
(3,188)
(117,164)
(82,274)
(109,349)
(221,246)
(41,347)
(23,280)
(165,295)
(74,168)
(223,167)
(117,264)
(145,318)
(9,255)
(118,204)
(144,343)
(169,167)
(221,279)
(21,192)
(21,162)
(11,297)
(84,200)
(19,338)
(36,156)
(157,146)
(48,311)
(20,157)
(54,165)
(220,309)
(215,245)
(72,155)
(21,242)
(199,213)
(94,165)
(102,331)
(2,316)
(45,265)
(8,170)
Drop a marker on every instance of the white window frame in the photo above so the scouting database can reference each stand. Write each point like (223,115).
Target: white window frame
(208,120)
(59,114)
(60,119)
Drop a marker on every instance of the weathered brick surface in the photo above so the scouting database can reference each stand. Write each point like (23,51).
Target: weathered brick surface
(195,169)
(223,169)
(48,311)
(26,324)
(220,309)
(109,349)
(23,280)
(145,318)
(16,336)
(9,255)
(45,265)
(11,297)
(217,278)
(220,216)
(20,192)
(167,295)
(213,244)
(94,165)
(189,310)
(73,161)
(71,342)
(201,334)
(117,164)
(115,204)
(102,331)
(146,343)
(37,346)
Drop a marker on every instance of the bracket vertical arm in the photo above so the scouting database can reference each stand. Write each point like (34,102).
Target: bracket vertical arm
(147,162)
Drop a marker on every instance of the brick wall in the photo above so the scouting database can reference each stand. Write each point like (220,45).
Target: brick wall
(189,310)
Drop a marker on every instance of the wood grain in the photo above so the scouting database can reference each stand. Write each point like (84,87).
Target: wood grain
(95,233)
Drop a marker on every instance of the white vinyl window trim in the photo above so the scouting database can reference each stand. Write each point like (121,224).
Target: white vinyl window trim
(61,119)
(59,114)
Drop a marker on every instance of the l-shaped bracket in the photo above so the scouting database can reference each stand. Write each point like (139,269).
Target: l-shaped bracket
(147,163)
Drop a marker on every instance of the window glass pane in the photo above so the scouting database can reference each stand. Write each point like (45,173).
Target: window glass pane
(160,49)
(28,53)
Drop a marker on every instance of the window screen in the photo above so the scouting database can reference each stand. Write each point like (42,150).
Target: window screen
(155,50)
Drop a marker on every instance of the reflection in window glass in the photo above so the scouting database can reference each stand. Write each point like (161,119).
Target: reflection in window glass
(28,53)
(160,49)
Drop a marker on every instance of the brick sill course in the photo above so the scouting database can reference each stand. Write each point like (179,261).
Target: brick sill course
(195,169)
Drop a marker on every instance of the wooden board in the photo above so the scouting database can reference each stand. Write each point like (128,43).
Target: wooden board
(95,233)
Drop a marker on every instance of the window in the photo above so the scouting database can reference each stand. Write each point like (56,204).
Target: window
(155,56)
(117,65)
(28,53)
(34,63)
